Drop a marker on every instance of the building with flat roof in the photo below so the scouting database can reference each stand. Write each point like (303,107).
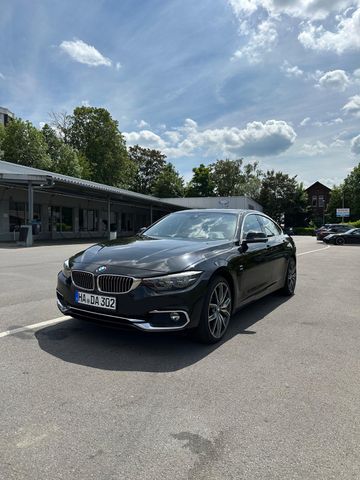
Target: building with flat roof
(5,116)
(63,207)
(237,202)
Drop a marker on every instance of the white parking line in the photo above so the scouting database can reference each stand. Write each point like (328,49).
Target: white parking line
(312,251)
(34,326)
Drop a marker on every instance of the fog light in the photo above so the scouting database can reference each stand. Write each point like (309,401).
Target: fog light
(175,317)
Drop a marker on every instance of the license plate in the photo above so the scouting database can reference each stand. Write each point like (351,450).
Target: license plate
(95,300)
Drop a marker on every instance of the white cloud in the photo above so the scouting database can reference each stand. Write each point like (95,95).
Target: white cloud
(353,106)
(85,103)
(2,76)
(337,143)
(355,145)
(257,139)
(345,37)
(305,9)
(118,65)
(258,20)
(142,124)
(291,70)
(145,138)
(83,53)
(305,121)
(261,41)
(336,79)
(312,149)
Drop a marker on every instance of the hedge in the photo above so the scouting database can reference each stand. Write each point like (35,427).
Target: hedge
(355,224)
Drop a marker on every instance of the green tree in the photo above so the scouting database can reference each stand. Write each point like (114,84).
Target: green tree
(336,201)
(226,176)
(65,159)
(352,192)
(169,183)
(149,164)
(95,134)
(25,145)
(282,197)
(232,177)
(201,184)
(2,136)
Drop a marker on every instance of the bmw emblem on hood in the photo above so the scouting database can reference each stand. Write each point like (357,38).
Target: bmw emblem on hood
(101,269)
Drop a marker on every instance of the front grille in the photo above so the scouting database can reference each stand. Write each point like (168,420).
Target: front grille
(84,280)
(114,283)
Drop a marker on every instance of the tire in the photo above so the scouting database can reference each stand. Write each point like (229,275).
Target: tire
(290,279)
(216,312)
(339,241)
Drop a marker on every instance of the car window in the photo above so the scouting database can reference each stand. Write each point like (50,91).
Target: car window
(192,225)
(251,224)
(269,227)
(356,232)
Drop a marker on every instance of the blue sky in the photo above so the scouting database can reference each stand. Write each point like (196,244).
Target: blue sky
(276,81)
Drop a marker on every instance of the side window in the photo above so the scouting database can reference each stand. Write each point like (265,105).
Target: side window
(271,230)
(251,224)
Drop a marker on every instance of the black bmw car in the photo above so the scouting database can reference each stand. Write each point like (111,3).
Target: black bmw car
(350,237)
(190,270)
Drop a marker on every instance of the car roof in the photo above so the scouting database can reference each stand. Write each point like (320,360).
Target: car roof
(237,211)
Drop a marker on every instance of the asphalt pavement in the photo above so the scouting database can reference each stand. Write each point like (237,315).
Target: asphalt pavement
(277,399)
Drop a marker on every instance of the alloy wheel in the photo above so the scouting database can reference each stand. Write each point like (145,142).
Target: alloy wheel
(219,311)
(291,276)
(339,241)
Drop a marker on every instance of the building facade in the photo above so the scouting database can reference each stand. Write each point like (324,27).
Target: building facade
(5,116)
(62,207)
(318,200)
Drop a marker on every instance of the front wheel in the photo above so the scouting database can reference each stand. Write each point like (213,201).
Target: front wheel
(216,312)
(290,280)
(339,241)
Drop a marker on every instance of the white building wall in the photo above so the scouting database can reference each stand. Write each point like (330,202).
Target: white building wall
(240,202)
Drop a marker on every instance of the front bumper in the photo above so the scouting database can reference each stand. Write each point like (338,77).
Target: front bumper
(141,308)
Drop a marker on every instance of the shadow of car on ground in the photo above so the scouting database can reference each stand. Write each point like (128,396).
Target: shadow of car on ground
(98,346)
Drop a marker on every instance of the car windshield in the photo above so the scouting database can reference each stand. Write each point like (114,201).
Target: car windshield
(205,226)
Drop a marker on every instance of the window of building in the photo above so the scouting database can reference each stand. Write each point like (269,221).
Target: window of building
(321,201)
(60,219)
(88,220)
(314,201)
(17,215)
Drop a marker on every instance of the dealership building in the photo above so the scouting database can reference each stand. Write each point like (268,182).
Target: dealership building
(63,207)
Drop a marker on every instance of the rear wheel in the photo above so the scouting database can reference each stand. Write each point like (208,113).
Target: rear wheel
(339,241)
(216,313)
(290,280)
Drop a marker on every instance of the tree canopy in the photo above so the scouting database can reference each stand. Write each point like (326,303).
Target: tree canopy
(169,183)
(201,184)
(95,134)
(24,144)
(282,197)
(148,165)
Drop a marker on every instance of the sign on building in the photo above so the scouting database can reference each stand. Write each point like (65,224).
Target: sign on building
(343,212)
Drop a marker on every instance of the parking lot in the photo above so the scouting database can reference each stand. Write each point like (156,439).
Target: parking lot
(277,399)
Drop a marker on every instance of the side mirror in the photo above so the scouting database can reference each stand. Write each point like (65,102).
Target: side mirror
(141,231)
(256,237)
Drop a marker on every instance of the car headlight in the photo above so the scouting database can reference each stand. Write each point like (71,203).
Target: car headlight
(176,281)
(66,270)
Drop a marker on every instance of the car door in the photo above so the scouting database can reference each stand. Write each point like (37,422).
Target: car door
(354,236)
(276,250)
(253,276)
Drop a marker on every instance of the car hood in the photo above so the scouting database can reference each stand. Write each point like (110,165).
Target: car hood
(145,257)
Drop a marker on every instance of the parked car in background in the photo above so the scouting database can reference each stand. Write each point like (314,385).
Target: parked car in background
(190,270)
(351,236)
(333,228)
